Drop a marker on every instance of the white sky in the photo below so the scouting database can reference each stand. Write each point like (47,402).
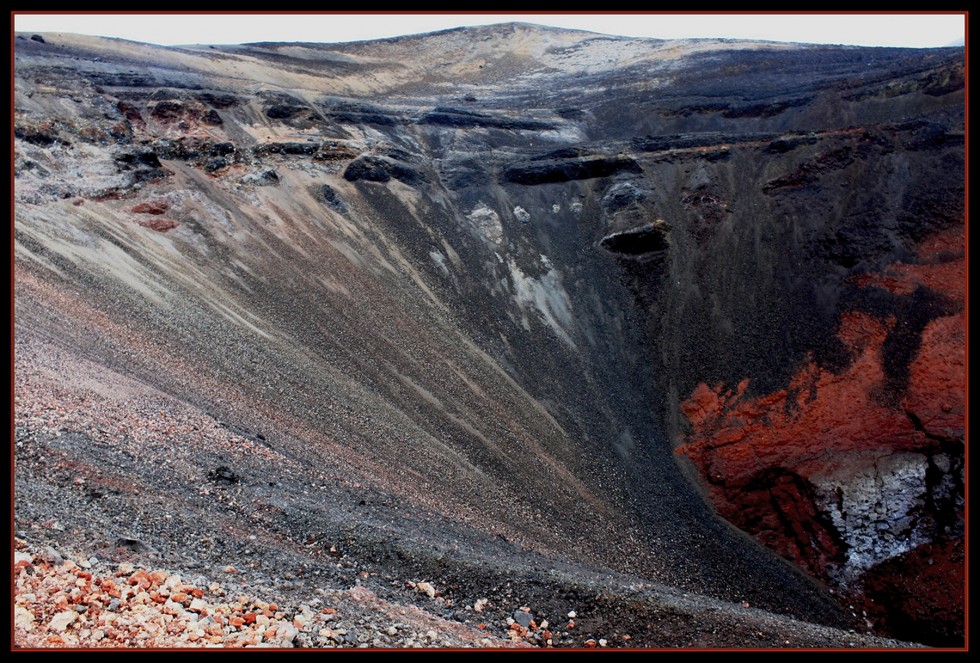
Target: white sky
(914,30)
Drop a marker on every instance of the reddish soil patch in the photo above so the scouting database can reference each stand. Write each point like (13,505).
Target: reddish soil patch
(151,207)
(160,225)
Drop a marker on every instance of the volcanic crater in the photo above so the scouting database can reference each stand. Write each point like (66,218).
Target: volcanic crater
(656,343)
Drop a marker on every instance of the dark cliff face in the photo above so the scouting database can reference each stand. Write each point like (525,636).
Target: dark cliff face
(502,276)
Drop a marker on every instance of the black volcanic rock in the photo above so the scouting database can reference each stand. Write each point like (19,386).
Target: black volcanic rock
(211,117)
(623,195)
(142,165)
(566,170)
(37,136)
(222,149)
(462,119)
(286,147)
(347,112)
(328,196)
(638,241)
(382,169)
(223,475)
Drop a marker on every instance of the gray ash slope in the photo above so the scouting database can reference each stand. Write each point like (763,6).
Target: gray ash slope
(388,265)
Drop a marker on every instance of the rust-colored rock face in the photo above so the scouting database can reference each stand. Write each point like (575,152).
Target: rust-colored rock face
(857,475)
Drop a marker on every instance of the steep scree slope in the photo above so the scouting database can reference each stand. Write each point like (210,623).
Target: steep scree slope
(443,306)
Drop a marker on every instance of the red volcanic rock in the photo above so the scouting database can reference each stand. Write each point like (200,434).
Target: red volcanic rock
(167,111)
(763,456)
(805,427)
(936,396)
(131,113)
(151,207)
(940,268)
(936,390)
(160,225)
(838,475)
(140,579)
